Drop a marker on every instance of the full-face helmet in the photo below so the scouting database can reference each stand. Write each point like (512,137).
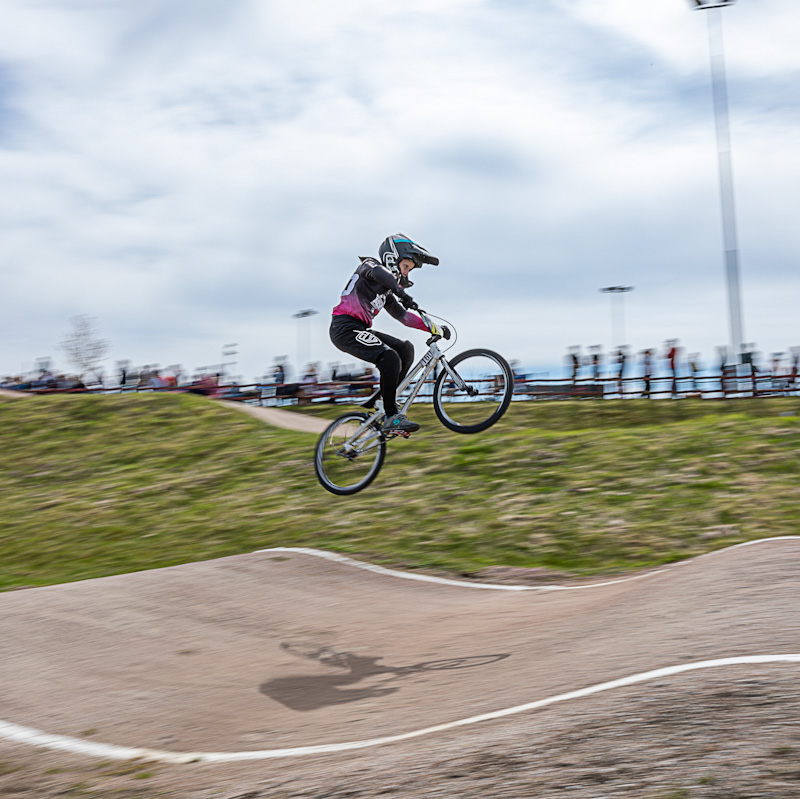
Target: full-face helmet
(395,248)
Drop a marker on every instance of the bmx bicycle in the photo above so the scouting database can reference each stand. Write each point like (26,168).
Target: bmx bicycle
(470,393)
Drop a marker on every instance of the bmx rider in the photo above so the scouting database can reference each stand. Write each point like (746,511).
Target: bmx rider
(382,283)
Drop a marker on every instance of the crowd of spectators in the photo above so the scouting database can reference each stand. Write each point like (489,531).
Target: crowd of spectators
(682,373)
(44,380)
(315,382)
(667,371)
(127,379)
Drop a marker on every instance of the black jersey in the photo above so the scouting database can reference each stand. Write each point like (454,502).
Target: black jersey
(371,288)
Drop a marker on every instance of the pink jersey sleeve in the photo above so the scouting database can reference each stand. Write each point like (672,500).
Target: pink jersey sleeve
(412,320)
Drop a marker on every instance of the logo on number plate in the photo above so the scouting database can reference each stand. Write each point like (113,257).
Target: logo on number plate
(367,338)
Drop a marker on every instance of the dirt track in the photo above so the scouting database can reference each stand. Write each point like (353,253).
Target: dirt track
(280,418)
(277,650)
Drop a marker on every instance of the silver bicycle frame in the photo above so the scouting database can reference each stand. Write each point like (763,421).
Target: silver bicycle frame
(426,365)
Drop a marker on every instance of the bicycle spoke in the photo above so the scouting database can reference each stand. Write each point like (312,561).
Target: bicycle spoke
(346,460)
(477,392)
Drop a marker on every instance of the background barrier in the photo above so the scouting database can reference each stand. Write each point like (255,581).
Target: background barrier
(349,391)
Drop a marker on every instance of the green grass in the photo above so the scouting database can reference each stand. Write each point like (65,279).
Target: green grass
(91,486)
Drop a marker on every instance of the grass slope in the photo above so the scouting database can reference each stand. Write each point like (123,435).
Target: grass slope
(91,486)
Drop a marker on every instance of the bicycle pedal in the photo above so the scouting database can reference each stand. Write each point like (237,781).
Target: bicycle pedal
(390,434)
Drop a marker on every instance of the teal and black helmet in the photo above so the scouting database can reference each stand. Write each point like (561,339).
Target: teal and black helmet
(395,248)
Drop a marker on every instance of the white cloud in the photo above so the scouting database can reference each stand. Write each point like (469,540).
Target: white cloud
(193,173)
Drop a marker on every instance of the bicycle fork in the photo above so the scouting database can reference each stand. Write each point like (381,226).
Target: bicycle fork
(460,383)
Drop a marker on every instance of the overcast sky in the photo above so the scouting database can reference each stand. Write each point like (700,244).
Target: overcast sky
(193,172)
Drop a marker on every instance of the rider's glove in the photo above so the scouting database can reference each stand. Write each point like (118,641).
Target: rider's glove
(407,301)
(438,330)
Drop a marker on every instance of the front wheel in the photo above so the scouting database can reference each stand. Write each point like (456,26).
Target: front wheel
(347,460)
(476,394)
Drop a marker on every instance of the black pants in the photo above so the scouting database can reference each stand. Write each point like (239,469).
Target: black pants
(392,356)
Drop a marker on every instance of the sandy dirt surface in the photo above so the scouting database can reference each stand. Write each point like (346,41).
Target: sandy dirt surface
(280,418)
(279,650)
(8,394)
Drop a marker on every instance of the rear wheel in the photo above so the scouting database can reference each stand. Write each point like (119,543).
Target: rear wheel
(478,393)
(347,461)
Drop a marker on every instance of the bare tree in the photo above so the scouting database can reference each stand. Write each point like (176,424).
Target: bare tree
(82,344)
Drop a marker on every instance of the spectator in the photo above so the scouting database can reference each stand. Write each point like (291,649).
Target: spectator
(308,385)
(695,368)
(364,383)
(755,368)
(647,369)
(724,386)
(206,385)
(574,362)
(621,358)
(597,359)
(283,390)
(672,354)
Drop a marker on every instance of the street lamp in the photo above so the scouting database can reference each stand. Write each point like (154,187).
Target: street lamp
(308,312)
(725,168)
(227,351)
(617,312)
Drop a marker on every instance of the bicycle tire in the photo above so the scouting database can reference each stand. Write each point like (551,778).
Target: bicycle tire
(469,414)
(341,474)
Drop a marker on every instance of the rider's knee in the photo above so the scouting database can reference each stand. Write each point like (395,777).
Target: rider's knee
(406,352)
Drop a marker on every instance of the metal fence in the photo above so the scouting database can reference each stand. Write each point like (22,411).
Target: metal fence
(729,384)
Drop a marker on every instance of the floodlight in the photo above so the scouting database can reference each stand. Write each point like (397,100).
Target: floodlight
(702,5)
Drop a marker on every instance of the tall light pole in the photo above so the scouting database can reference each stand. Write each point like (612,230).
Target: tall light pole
(617,312)
(307,313)
(228,350)
(729,238)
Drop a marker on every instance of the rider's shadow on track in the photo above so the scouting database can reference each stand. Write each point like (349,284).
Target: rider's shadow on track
(311,692)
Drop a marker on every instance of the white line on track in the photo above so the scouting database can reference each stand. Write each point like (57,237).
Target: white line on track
(427,578)
(19,734)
